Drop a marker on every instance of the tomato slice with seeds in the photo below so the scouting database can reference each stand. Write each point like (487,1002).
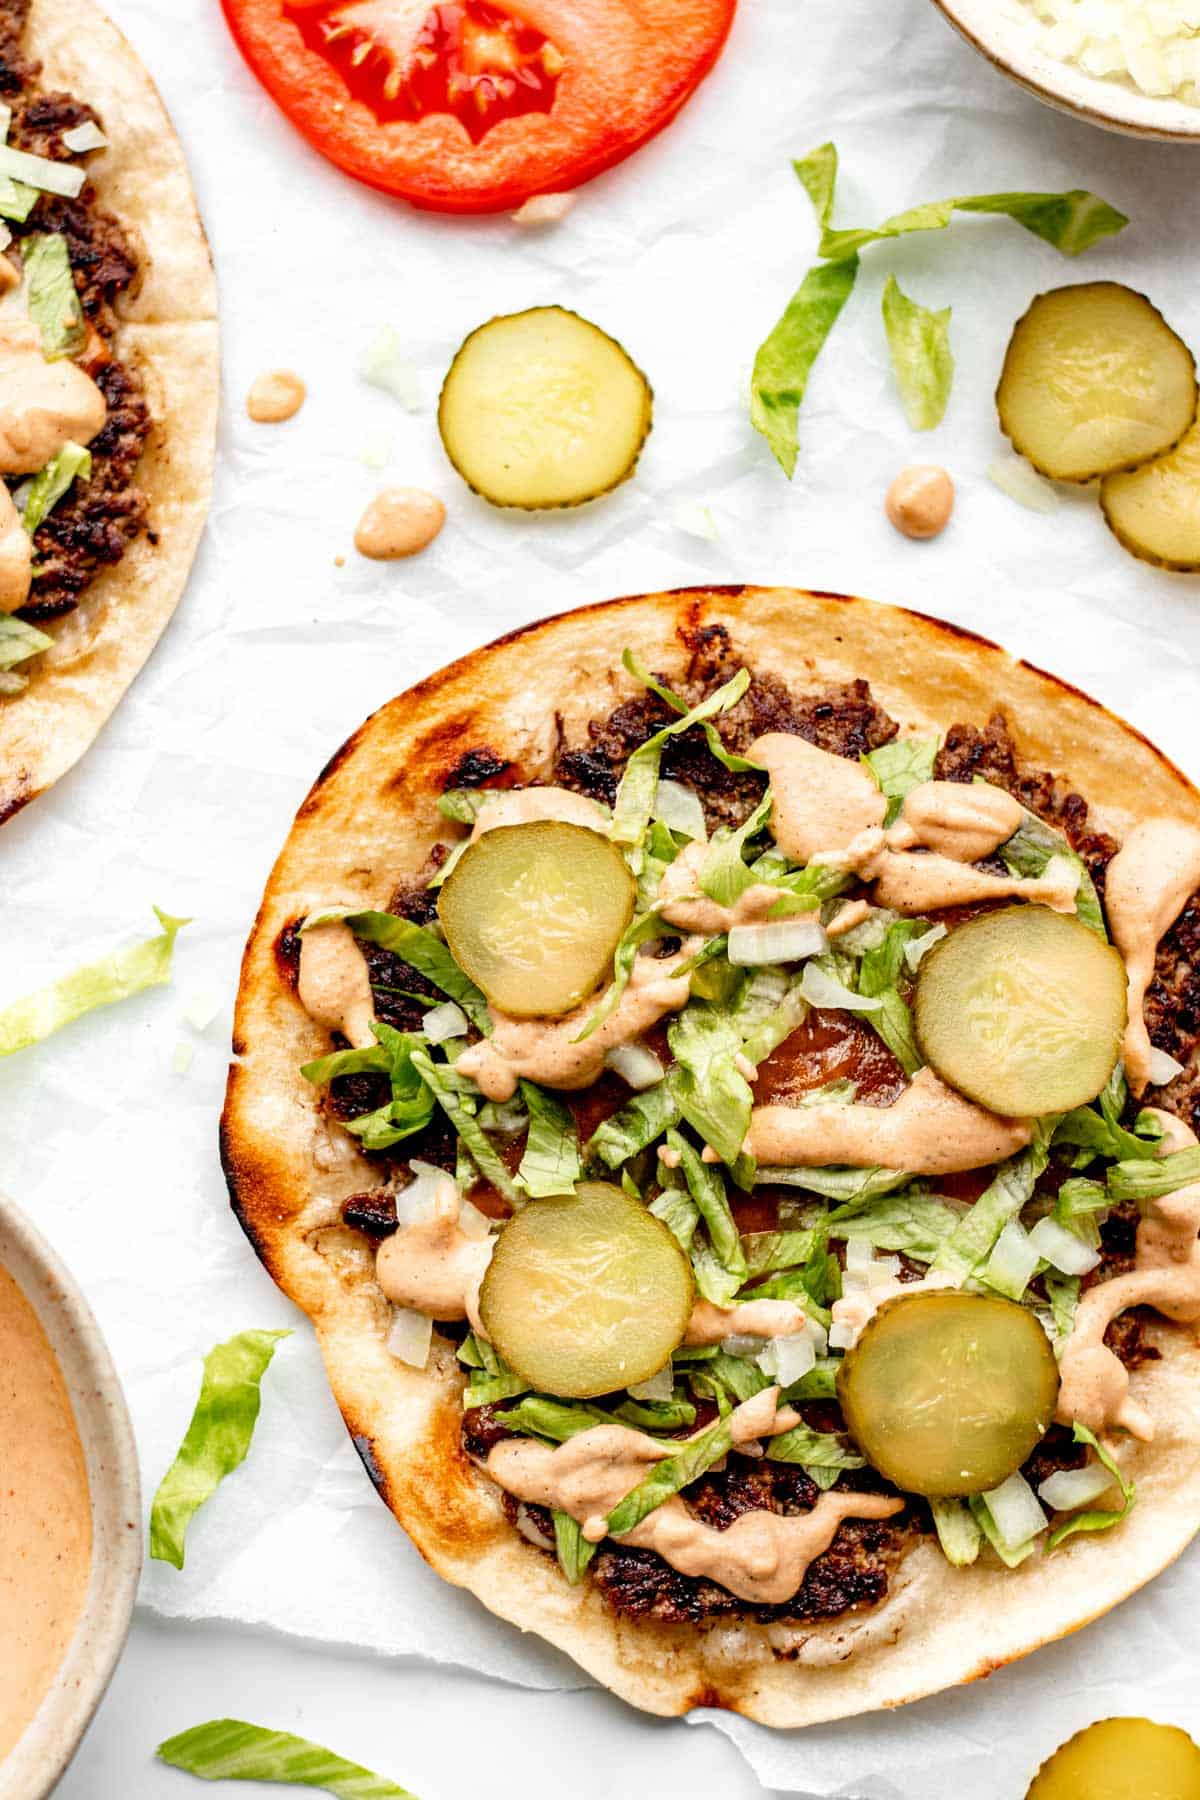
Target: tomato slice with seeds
(475,105)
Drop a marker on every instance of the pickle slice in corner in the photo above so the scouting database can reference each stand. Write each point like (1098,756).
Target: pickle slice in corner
(1121,1759)
(534,913)
(1154,511)
(946,1394)
(586,1293)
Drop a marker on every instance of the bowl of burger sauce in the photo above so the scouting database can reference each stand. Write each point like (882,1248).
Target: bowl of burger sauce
(70,1513)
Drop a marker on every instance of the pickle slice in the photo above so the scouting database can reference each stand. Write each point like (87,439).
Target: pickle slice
(1154,511)
(587,1293)
(948,1393)
(1094,380)
(533,914)
(542,408)
(1023,1010)
(1121,1759)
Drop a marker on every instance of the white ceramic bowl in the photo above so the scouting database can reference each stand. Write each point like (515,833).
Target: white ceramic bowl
(1117,105)
(33,1768)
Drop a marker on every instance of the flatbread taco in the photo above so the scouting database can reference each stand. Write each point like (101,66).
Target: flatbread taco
(108,381)
(719,1071)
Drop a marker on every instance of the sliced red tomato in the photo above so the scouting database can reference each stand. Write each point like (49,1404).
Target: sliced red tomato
(474,105)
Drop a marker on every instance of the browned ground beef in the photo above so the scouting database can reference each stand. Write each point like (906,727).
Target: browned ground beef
(91,528)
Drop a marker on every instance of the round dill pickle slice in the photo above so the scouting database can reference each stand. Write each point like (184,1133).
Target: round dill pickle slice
(1023,1010)
(1121,1759)
(542,408)
(1094,380)
(587,1293)
(533,914)
(948,1393)
(1154,511)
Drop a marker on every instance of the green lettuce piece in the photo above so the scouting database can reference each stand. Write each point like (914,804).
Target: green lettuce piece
(1150,1180)
(53,302)
(814,1450)
(551,1162)
(1102,1132)
(639,783)
(73,463)
(981,1514)
(958,1531)
(472,1135)
(901,766)
(787,354)
(714,1281)
(657,1415)
(639,931)
(19,641)
(1098,1520)
(767,1251)
(707,1189)
(217,1439)
(115,977)
(819,1384)
(558,1420)
(711,1093)
(574,1550)
(464,805)
(736,1376)
(728,759)
(421,950)
(232,1750)
(1071,223)
(629,1131)
(922,361)
(679,1213)
(724,876)
(1062,1291)
(847,1186)
(489,1390)
(374,1060)
(1031,847)
(1076,1204)
(412,1103)
(912,1221)
(818,173)
(974,1238)
(879,973)
(694,1456)
(17,199)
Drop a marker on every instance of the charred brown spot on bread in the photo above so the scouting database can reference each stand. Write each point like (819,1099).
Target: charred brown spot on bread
(366,1451)
(18,793)
(287,953)
(436,750)
(482,767)
(373,1212)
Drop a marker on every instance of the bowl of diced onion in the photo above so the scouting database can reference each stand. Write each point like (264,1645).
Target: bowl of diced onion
(1128,65)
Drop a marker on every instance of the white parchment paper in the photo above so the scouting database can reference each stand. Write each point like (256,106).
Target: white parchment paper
(687,254)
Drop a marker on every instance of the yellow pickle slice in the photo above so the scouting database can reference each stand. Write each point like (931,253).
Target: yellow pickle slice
(1094,380)
(1023,1010)
(586,1293)
(534,913)
(1155,511)
(1121,1759)
(947,1394)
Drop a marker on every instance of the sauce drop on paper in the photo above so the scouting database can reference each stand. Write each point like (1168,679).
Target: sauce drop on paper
(920,501)
(399,522)
(45,1516)
(275,396)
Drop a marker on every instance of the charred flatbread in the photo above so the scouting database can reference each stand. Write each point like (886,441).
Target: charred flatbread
(775,1571)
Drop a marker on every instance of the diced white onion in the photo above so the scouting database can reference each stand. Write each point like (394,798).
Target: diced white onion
(415,1202)
(1014,1261)
(883,1269)
(441,1023)
(787,1359)
(659,1387)
(1163,1068)
(201,1009)
(473,1223)
(6,236)
(84,137)
(859,1256)
(384,367)
(820,988)
(410,1337)
(916,948)
(1068,1489)
(1022,483)
(777,941)
(181,1058)
(1015,1512)
(377,451)
(544,209)
(677,806)
(505,1116)
(868,934)
(741,1343)
(1062,1249)
(842,1335)
(695,520)
(1066,870)
(636,1064)
(64,179)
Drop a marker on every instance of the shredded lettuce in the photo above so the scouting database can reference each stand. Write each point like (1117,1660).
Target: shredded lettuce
(73,463)
(557,1420)
(724,876)
(973,1239)
(412,1103)
(574,1550)
(708,1191)
(787,354)
(232,1750)
(40,172)
(728,759)
(679,1213)
(1098,1520)
(879,975)
(630,1131)
(18,642)
(551,1162)
(958,1531)
(464,805)
(17,199)
(1032,846)
(1062,1291)
(1151,1180)
(421,950)
(115,977)
(913,1221)
(1012,1558)
(901,766)
(694,1456)
(845,1185)
(822,1455)
(639,784)
(217,1439)
(922,361)
(767,1251)
(53,302)
(1102,1133)
(638,932)
(439,1079)
(711,1093)
(1071,223)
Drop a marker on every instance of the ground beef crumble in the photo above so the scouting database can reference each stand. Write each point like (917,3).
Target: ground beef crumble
(92,526)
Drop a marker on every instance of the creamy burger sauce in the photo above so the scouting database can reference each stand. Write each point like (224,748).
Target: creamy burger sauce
(711,1324)
(762,1557)
(1166,1275)
(334,983)
(681,902)
(432,1266)
(929,1130)
(531,806)
(45,1516)
(1148,884)
(16,554)
(45,404)
(855,1311)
